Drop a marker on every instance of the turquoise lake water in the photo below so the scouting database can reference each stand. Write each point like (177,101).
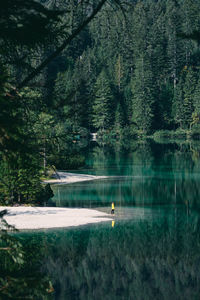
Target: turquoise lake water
(151,250)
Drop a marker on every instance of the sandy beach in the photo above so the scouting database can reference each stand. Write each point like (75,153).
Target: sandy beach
(31,218)
(66,178)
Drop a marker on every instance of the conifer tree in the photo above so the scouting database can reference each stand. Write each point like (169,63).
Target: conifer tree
(188,90)
(197,98)
(119,117)
(177,106)
(143,95)
(103,103)
(174,47)
(196,104)
(119,72)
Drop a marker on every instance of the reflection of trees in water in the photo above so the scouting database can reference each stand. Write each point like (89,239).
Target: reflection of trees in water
(112,161)
(182,169)
(161,174)
(20,269)
(157,260)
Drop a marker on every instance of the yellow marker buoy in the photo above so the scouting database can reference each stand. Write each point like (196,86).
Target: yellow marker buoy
(112,208)
(113,223)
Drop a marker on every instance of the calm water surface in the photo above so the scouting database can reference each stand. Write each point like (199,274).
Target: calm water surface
(151,250)
(148,175)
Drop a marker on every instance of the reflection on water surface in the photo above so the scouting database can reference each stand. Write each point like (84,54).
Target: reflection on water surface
(151,250)
(148,175)
(156,257)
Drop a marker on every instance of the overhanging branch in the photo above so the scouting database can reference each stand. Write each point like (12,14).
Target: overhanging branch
(61,48)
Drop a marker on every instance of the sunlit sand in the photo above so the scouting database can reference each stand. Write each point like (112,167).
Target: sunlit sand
(52,217)
(65,177)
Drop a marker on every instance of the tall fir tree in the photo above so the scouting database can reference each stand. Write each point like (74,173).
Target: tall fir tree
(177,105)
(197,96)
(143,95)
(103,103)
(188,90)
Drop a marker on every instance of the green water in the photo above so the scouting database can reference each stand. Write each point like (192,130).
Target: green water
(152,249)
(148,174)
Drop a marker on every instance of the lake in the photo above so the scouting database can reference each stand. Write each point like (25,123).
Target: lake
(152,248)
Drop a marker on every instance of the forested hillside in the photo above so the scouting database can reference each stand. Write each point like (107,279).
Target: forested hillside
(132,67)
(120,68)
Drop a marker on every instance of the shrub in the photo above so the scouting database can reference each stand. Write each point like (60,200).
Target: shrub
(70,162)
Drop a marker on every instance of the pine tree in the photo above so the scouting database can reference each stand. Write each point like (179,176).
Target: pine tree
(119,72)
(103,102)
(196,104)
(177,106)
(119,117)
(197,97)
(188,90)
(143,95)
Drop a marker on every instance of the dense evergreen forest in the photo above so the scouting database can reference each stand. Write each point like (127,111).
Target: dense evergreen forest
(126,69)
(119,68)
(133,69)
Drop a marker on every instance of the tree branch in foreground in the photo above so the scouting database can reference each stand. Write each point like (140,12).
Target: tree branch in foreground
(61,48)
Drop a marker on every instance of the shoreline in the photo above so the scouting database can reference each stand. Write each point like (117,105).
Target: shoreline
(67,178)
(32,218)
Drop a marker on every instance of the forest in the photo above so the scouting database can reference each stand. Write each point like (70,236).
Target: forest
(123,69)
(128,70)
(133,69)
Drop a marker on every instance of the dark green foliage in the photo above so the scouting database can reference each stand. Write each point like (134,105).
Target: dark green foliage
(103,101)
(26,22)
(21,276)
(19,153)
(44,195)
(196,103)
(10,115)
(48,191)
(66,161)
(189,88)
(20,181)
(143,95)
(150,73)
(128,72)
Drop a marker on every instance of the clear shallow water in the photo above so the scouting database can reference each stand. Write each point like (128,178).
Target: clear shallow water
(151,250)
